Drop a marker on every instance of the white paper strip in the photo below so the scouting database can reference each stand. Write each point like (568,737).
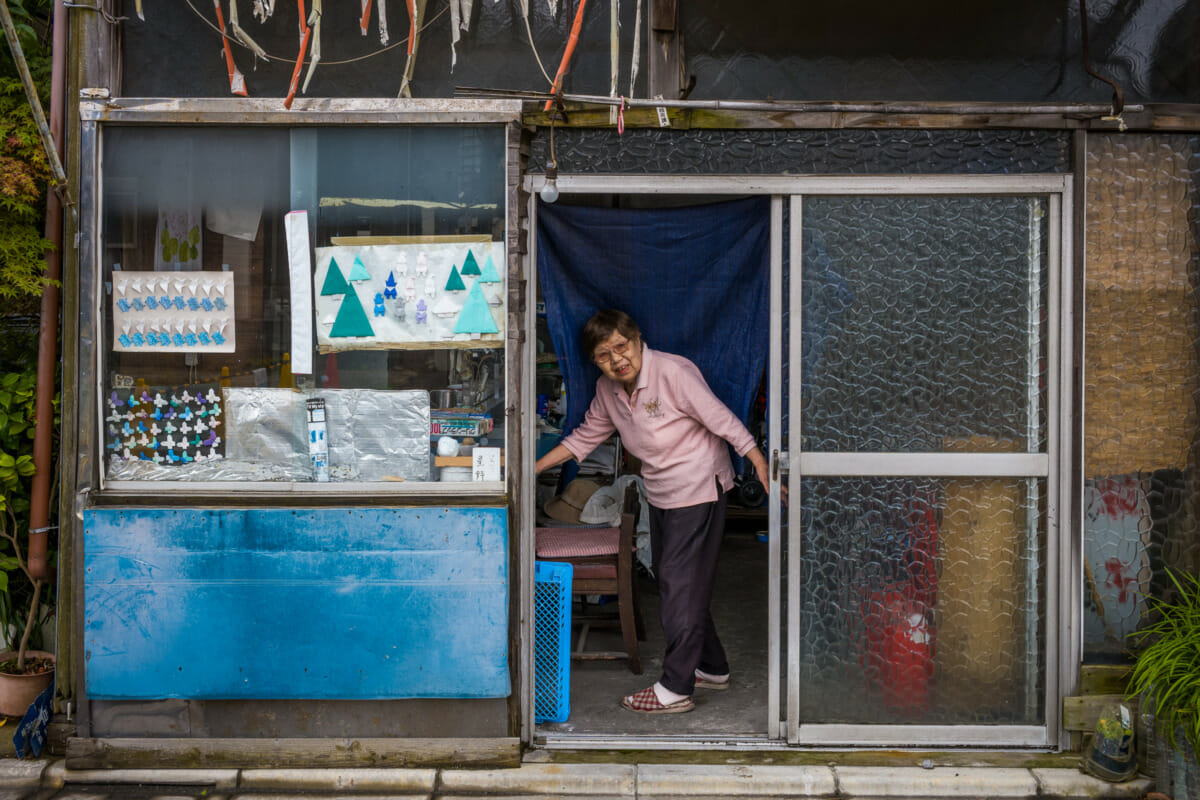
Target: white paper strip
(295,225)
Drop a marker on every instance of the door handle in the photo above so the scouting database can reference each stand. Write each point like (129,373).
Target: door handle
(775,466)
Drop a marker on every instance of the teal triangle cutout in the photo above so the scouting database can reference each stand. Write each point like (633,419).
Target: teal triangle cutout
(470,266)
(476,317)
(359,272)
(351,319)
(489,274)
(455,283)
(335,283)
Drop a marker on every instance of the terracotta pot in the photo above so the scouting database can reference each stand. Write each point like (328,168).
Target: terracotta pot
(17,692)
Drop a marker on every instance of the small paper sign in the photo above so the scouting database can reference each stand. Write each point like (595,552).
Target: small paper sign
(485,464)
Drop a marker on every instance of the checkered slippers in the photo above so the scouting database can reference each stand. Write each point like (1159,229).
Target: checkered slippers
(704,683)
(646,702)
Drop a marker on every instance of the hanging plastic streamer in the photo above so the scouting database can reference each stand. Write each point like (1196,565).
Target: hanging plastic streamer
(305,34)
(553,4)
(637,50)
(263,9)
(416,13)
(314,56)
(365,21)
(614,55)
(460,20)
(237,81)
(383,31)
(240,34)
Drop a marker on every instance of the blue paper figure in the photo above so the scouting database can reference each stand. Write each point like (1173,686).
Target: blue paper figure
(141,427)
(422,317)
(123,304)
(193,304)
(196,440)
(389,291)
(178,339)
(115,400)
(186,458)
(157,415)
(379,308)
(204,339)
(219,303)
(128,431)
(145,398)
(179,303)
(152,339)
(207,304)
(218,338)
(211,440)
(144,457)
(138,340)
(165,302)
(174,459)
(125,340)
(190,338)
(138,304)
(488,274)
(151,302)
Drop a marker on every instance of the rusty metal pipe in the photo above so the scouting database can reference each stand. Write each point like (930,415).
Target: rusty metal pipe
(43,436)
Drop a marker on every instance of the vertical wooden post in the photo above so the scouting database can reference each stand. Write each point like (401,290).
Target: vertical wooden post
(665,56)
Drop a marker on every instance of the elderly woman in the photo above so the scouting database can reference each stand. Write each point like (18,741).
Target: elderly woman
(670,419)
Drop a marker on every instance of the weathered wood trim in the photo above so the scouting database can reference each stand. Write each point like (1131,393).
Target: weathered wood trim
(1081,713)
(592,116)
(283,753)
(1110,679)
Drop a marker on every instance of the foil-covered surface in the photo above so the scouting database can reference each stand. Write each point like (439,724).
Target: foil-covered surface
(373,436)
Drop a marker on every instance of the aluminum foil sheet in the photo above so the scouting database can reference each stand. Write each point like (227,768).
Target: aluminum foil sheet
(373,435)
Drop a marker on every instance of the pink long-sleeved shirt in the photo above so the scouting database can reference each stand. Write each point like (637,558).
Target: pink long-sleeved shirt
(673,423)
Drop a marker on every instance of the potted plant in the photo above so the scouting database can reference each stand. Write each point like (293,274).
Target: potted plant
(1166,680)
(24,608)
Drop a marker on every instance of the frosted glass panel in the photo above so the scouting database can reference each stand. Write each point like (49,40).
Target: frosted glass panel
(920,600)
(924,323)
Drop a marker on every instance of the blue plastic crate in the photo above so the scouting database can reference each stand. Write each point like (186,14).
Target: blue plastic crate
(552,641)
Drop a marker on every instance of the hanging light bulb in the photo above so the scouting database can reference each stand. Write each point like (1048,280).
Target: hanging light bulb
(549,192)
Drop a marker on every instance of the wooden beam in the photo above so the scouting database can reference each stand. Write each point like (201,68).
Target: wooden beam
(1104,678)
(283,753)
(1081,713)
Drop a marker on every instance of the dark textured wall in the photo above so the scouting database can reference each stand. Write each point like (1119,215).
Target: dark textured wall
(937,50)
(799,152)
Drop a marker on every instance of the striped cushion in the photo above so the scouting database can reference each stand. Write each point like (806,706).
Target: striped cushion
(555,543)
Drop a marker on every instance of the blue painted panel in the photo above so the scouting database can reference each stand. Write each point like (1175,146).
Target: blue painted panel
(360,603)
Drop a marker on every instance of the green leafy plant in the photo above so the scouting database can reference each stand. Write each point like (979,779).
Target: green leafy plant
(1167,669)
(23,596)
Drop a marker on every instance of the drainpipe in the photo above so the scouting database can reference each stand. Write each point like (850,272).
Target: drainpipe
(43,457)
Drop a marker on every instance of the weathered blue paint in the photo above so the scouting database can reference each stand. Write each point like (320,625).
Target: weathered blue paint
(359,603)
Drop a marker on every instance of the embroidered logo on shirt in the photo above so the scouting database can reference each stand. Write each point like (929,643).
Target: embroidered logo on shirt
(653,408)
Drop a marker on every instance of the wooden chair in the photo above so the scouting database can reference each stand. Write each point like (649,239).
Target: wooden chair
(603,564)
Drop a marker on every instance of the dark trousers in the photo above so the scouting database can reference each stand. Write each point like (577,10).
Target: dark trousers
(685,543)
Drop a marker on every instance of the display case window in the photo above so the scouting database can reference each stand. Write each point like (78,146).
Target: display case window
(303,305)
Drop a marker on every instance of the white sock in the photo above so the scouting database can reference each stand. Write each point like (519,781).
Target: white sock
(666,696)
(704,676)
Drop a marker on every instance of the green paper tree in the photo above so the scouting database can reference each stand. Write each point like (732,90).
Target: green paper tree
(455,282)
(358,272)
(351,319)
(476,317)
(335,282)
(489,274)
(470,266)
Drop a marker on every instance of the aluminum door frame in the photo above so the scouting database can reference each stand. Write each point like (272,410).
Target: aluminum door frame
(1063,652)
(1060,655)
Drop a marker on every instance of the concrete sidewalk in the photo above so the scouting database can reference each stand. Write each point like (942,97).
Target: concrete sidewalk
(43,780)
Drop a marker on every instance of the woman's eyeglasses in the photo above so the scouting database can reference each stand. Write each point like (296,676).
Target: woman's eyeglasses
(618,351)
